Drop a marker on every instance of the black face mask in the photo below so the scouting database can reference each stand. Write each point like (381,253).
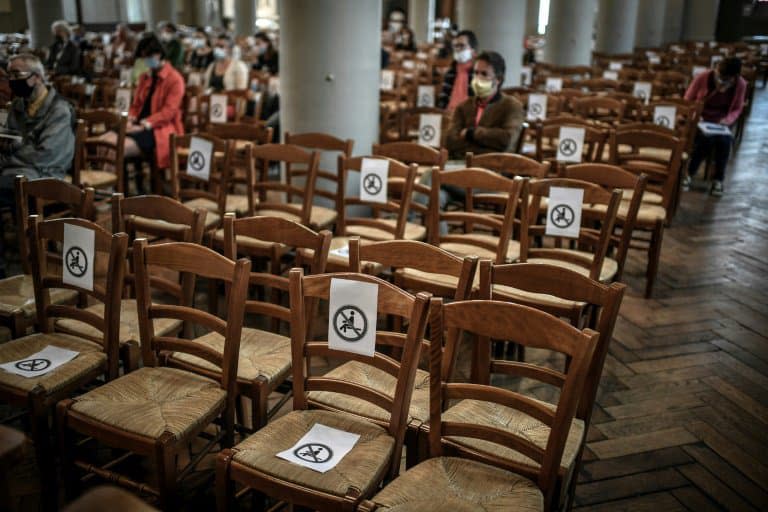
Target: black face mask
(59,39)
(20,87)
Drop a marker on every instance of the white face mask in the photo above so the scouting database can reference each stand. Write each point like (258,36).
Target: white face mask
(166,36)
(463,56)
(219,53)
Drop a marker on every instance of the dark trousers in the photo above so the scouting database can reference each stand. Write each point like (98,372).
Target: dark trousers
(7,201)
(702,145)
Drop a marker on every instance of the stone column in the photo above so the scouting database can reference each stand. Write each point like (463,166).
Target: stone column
(532,17)
(331,84)
(649,32)
(500,26)
(700,20)
(569,32)
(41,14)
(245,17)
(673,22)
(616,22)
(156,12)
(421,16)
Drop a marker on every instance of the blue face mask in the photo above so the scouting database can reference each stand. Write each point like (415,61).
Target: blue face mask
(152,62)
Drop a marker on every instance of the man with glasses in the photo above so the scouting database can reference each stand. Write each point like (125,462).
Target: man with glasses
(456,86)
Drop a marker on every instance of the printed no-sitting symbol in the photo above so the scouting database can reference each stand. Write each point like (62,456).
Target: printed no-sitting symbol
(216,110)
(33,365)
(77,261)
(536,108)
(663,121)
(350,323)
(121,104)
(315,453)
(562,216)
(641,95)
(428,132)
(196,160)
(372,184)
(425,99)
(568,147)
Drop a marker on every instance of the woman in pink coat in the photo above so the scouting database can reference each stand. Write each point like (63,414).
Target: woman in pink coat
(722,91)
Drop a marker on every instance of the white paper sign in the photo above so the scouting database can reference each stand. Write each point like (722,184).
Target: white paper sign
(714,60)
(697,70)
(195,79)
(554,85)
(665,115)
(352,316)
(537,107)
(764,49)
(41,362)
(615,66)
(125,76)
(123,99)
(714,129)
(320,449)
(387,80)
(218,108)
(341,251)
(273,85)
(526,76)
(611,75)
(79,255)
(430,129)
(409,64)
(3,118)
(570,144)
(200,156)
(654,59)
(564,212)
(89,88)
(98,64)
(373,180)
(426,96)
(642,90)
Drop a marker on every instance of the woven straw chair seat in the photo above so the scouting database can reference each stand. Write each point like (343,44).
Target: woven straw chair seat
(450,484)
(379,380)
(247,242)
(237,203)
(411,275)
(412,231)
(151,401)
(90,358)
(511,420)
(97,179)
(468,249)
(212,219)
(129,323)
(360,469)
(106,497)
(262,354)
(320,217)
(17,295)
(516,295)
(610,265)
(647,214)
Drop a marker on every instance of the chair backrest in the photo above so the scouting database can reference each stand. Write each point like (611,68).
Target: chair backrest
(612,177)
(107,268)
(412,153)
(600,108)
(97,153)
(490,207)
(509,164)
(255,133)
(196,261)
(305,292)
(302,186)
(589,236)
(530,328)
(186,186)
(46,194)
(658,155)
(401,180)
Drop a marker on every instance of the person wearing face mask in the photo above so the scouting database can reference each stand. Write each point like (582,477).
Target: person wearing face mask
(64,54)
(489,121)
(266,55)
(456,82)
(202,53)
(225,73)
(155,112)
(174,53)
(722,93)
(405,41)
(395,23)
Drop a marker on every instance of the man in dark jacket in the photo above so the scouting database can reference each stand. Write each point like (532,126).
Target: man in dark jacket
(489,121)
(455,88)
(64,54)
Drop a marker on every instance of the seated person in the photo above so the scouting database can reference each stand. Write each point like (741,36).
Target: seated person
(267,57)
(489,121)
(155,112)
(225,73)
(722,91)
(202,53)
(64,54)
(405,41)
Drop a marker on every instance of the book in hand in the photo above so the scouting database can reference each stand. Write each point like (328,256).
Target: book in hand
(714,129)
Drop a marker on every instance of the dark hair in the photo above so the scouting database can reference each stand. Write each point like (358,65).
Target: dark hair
(264,37)
(471,37)
(170,25)
(730,66)
(496,61)
(149,45)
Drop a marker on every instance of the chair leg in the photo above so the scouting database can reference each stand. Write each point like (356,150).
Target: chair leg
(259,403)
(44,453)
(167,466)
(654,254)
(66,450)
(225,487)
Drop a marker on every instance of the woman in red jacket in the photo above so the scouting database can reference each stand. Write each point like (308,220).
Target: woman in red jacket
(722,91)
(155,112)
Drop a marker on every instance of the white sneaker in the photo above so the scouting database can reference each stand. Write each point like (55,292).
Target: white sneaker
(687,183)
(717,188)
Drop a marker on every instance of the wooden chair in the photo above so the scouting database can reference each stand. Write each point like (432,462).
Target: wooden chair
(599,108)
(157,411)
(483,226)
(591,247)
(476,465)
(376,455)
(328,182)
(17,308)
(527,284)
(13,448)
(98,163)
(548,136)
(658,156)
(413,153)
(95,358)
(105,497)
(410,118)
(265,356)
(194,191)
(509,164)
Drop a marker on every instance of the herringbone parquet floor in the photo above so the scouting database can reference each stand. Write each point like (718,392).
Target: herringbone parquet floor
(682,414)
